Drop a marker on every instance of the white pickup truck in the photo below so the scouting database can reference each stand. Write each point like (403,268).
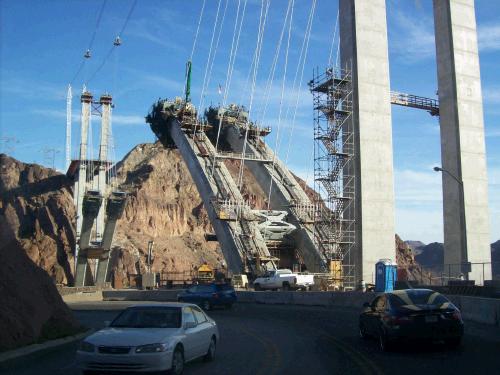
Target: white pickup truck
(283,279)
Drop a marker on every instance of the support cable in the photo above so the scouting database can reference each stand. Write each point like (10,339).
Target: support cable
(304,51)
(195,38)
(202,93)
(254,58)
(230,67)
(258,49)
(330,55)
(277,141)
(197,30)
(209,77)
(270,78)
(91,43)
(116,43)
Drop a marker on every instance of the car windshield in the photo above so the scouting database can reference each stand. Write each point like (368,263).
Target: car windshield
(417,297)
(149,317)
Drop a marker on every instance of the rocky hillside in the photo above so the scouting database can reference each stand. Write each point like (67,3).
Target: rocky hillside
(163,205)
(431,256)
(37,206)
(31,308)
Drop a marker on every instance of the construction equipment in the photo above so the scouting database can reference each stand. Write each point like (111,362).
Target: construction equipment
(204,274)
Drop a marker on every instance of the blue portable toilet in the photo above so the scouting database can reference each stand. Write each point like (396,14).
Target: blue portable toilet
(385,275)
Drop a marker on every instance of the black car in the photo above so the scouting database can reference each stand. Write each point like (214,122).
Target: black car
(411,314)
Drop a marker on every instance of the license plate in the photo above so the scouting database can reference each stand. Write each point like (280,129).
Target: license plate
(431,319)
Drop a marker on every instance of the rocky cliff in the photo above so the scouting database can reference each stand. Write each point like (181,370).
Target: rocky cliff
(37,206)
(163,205)
(30,219)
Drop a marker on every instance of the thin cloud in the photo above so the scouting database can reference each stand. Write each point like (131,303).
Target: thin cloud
(31,89)
(489,38)
(491,95)
(413,39)
(116,119)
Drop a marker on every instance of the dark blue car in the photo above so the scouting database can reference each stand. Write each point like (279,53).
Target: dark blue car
(209,295)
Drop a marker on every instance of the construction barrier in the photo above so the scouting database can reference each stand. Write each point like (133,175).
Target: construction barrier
(476,309)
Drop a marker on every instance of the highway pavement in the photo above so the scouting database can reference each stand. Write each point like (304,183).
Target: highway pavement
(283,339)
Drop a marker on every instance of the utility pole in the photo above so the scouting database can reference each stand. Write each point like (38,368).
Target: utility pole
(69,97)
(49,156)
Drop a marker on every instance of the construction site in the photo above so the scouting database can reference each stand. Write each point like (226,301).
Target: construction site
(337,228)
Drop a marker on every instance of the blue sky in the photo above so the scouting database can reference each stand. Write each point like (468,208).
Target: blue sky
(42,46)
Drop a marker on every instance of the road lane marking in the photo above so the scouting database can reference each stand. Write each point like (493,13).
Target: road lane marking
(367,364)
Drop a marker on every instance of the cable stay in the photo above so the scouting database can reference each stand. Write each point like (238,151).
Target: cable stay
(257,53)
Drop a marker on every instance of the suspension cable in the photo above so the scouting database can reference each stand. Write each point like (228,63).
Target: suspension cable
(270,78)
(117,42)
(216,48)
(330,55)
(91,42)
(230,67)
(278,142)
(202,93)
(304,50)
(258,49)
(197,30)
(194,41)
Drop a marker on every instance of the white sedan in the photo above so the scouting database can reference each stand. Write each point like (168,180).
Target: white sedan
(150,338)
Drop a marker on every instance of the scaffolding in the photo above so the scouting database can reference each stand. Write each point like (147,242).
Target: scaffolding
(334,171)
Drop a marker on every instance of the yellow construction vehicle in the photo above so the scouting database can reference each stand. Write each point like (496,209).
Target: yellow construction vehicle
(204,274)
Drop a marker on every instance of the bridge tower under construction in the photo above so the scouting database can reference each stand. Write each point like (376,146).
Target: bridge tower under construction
(98,204)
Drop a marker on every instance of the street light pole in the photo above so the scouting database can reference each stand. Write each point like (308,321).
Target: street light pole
(463,218)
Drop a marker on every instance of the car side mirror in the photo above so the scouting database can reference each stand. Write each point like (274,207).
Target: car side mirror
(189,325)
(366,305)
(107,323)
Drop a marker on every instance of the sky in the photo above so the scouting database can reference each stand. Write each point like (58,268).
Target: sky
(43,43)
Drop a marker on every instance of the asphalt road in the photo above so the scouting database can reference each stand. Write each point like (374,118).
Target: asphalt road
(274,339)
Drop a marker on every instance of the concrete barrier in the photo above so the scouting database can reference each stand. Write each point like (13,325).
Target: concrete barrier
(476,309)
(141,295)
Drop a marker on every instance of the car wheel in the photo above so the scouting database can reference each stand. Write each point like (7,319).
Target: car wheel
(177,362)
(383,342)
(205,305)
(362,331)
(257,287)
(453,343)
(210,356)
(286,286)
(228,306)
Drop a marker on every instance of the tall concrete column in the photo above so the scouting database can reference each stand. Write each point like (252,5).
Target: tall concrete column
(465,207)
(364,49)
(105,102)
(80,186)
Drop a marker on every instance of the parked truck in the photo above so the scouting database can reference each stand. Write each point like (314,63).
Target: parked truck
(283,279)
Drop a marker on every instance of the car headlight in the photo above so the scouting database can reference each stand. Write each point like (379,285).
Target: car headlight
(152,348)
(86,347)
